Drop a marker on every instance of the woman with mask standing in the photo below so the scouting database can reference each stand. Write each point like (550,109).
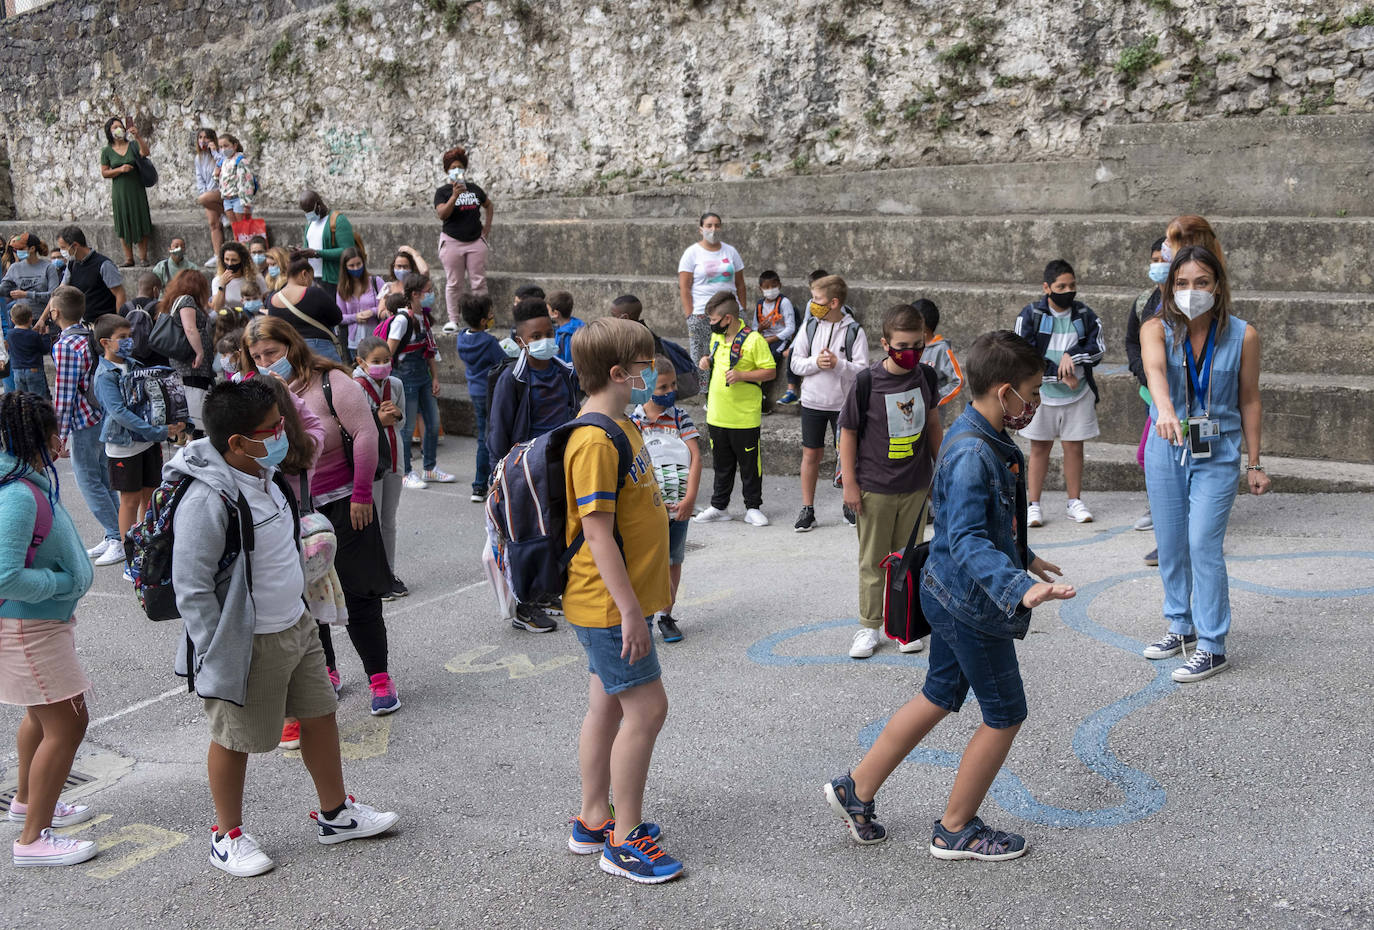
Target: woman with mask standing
(461,206)
(207,185)
(274,268)
(188,299)
(357,299)
(118,163)
(708,266)
(235,267)
(407,261)
(30,276)
(1203,368)
(326,238)
(309,309)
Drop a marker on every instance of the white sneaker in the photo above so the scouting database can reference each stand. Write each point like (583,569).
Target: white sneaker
(63,814)
(916,645)
(864,644)
(1078,513)
(52,849)
(1145,523)
(238,853)
(712,515)
(211,262)
(355,821)
(755,517)
(438,476)
(413,482)
(113,554)
(450,328)
(98,549)
(1033,516)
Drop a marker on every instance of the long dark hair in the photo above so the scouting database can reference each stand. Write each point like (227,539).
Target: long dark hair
(27,422)
(1221,292)
(349,286)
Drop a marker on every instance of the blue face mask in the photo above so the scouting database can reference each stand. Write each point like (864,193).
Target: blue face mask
(276,447)
(259,258)
(1159,272)
(313,217)
(356,272)
(59,263)
(281,366)
(427,301)
(252,306)
(21,254)
(665,400)
(543,349)
(273,270)
(639,395)
(125,347)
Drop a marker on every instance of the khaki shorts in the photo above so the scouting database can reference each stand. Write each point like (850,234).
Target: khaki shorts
(1075,421)
(287,677)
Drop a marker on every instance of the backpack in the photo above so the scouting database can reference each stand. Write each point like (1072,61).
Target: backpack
(252,175)
(383,329)
(346,438)
(688,374)
(494,375)
(148,546)
(527,509)
(357,240)
(155,393)
(851,335)
(42,523)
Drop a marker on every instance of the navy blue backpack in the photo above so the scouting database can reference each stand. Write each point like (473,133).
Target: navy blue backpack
(527,509)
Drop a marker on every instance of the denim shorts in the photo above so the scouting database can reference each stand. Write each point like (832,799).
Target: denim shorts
(603,645)
(234,204)
(961,656)
(677,541)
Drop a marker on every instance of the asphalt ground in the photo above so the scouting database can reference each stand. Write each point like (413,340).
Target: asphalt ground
(1241,801)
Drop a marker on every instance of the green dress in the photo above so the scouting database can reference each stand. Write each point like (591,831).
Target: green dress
(132,220)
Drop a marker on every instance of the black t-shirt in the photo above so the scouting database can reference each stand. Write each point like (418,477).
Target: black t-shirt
(316,304)
(465,222)
(894,451)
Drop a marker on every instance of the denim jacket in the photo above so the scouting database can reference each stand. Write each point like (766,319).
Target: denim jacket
(973,569)
(122,426)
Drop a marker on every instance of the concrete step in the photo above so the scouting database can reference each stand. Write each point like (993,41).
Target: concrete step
(1302,331)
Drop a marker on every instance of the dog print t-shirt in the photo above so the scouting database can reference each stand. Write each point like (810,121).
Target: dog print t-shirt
(894,457)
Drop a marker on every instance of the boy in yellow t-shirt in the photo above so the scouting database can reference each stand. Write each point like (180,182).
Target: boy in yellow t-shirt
(616,582)
(739,363)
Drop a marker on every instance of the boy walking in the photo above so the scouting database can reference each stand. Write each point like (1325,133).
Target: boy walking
(1068,336)
(672,440)
(890,435)
(480,352)
(739,363)
(251,650)
(617,580)
(979,547)
(827,354)
(27,348)
(565,324)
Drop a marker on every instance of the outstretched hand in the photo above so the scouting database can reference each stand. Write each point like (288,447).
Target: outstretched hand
(1040,593)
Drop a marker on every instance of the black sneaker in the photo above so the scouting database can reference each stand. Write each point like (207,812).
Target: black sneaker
(398,588)
(531,617)
(668,627)
(552,606)
(849,516)
(806,520)
(1152,557)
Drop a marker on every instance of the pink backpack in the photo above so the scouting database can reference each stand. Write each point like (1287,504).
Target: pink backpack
(42,524)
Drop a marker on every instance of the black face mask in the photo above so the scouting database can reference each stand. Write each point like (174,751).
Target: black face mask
(234,267)
(721,328)
(1063,301)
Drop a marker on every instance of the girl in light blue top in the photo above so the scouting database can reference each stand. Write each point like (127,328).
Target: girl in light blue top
(44,571)
(1203,367)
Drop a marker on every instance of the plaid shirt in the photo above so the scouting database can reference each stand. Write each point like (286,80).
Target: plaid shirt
(72,354)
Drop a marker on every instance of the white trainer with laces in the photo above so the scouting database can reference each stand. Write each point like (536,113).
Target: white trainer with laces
(1145,523)
(238,853)
(51,849)
(755,517)
(113,554)
(916,645)
(98,549)
(413,482)
(63,815)
(438,476)
(865,643)
(1034,517)
(1077,512)
(712,515)
(354,822)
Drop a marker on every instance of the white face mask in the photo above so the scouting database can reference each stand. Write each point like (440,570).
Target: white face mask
(1193,303)
(1166,251)
(117,133)
(710,236)
(67,254)
(771,293)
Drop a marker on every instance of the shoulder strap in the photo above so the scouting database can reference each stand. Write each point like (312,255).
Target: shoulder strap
(737,345)
(345,437)
(811,324)
(302,316)
(334,228)
(863,389)
(42,524)
(851,336)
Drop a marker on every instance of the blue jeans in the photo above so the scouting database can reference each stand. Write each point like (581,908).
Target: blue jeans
(603,646)
(416,379)
(483,476)
(324,347)
(1191,505)
(960,656)
(5,327)
(92,472)
(32,380)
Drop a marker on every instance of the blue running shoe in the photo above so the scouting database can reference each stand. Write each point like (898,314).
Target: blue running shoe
(639,859)
(586,840)
(976,841)
(857,815)
(789,398)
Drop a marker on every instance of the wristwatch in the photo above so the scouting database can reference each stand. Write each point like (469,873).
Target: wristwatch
(1254,468)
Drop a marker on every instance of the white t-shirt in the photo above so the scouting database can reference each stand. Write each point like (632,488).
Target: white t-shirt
(116,451)
(711,272)
(278,579)
(397,329)
(233,291)
(314,239)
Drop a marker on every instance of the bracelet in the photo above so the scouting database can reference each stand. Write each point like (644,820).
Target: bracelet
(1254,468)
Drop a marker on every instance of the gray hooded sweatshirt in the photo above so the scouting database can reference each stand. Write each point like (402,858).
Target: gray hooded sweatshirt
(216,606)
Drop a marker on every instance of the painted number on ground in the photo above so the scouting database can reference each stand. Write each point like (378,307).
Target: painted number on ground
(517,665)
(138,842)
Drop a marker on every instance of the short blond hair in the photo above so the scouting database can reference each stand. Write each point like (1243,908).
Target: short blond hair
(831,287)
(604,343)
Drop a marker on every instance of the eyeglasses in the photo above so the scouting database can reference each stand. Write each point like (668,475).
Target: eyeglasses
(275,432)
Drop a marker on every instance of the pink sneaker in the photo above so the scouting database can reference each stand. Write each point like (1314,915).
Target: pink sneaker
(336,681)
(385,700)
(63,815)
(52,849)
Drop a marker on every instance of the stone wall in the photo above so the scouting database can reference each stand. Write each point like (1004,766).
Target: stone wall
(574,96)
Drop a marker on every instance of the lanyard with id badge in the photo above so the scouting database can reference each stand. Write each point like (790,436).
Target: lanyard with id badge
(1200,430)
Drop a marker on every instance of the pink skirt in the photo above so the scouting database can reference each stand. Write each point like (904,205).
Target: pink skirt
(38,663)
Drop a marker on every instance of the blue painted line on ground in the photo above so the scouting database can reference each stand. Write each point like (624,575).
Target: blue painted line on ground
(1085,541)
(1142,794)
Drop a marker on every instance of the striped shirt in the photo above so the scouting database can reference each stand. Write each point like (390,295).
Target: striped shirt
(72,355)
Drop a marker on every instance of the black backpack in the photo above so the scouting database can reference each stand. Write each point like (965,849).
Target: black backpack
(346,438)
